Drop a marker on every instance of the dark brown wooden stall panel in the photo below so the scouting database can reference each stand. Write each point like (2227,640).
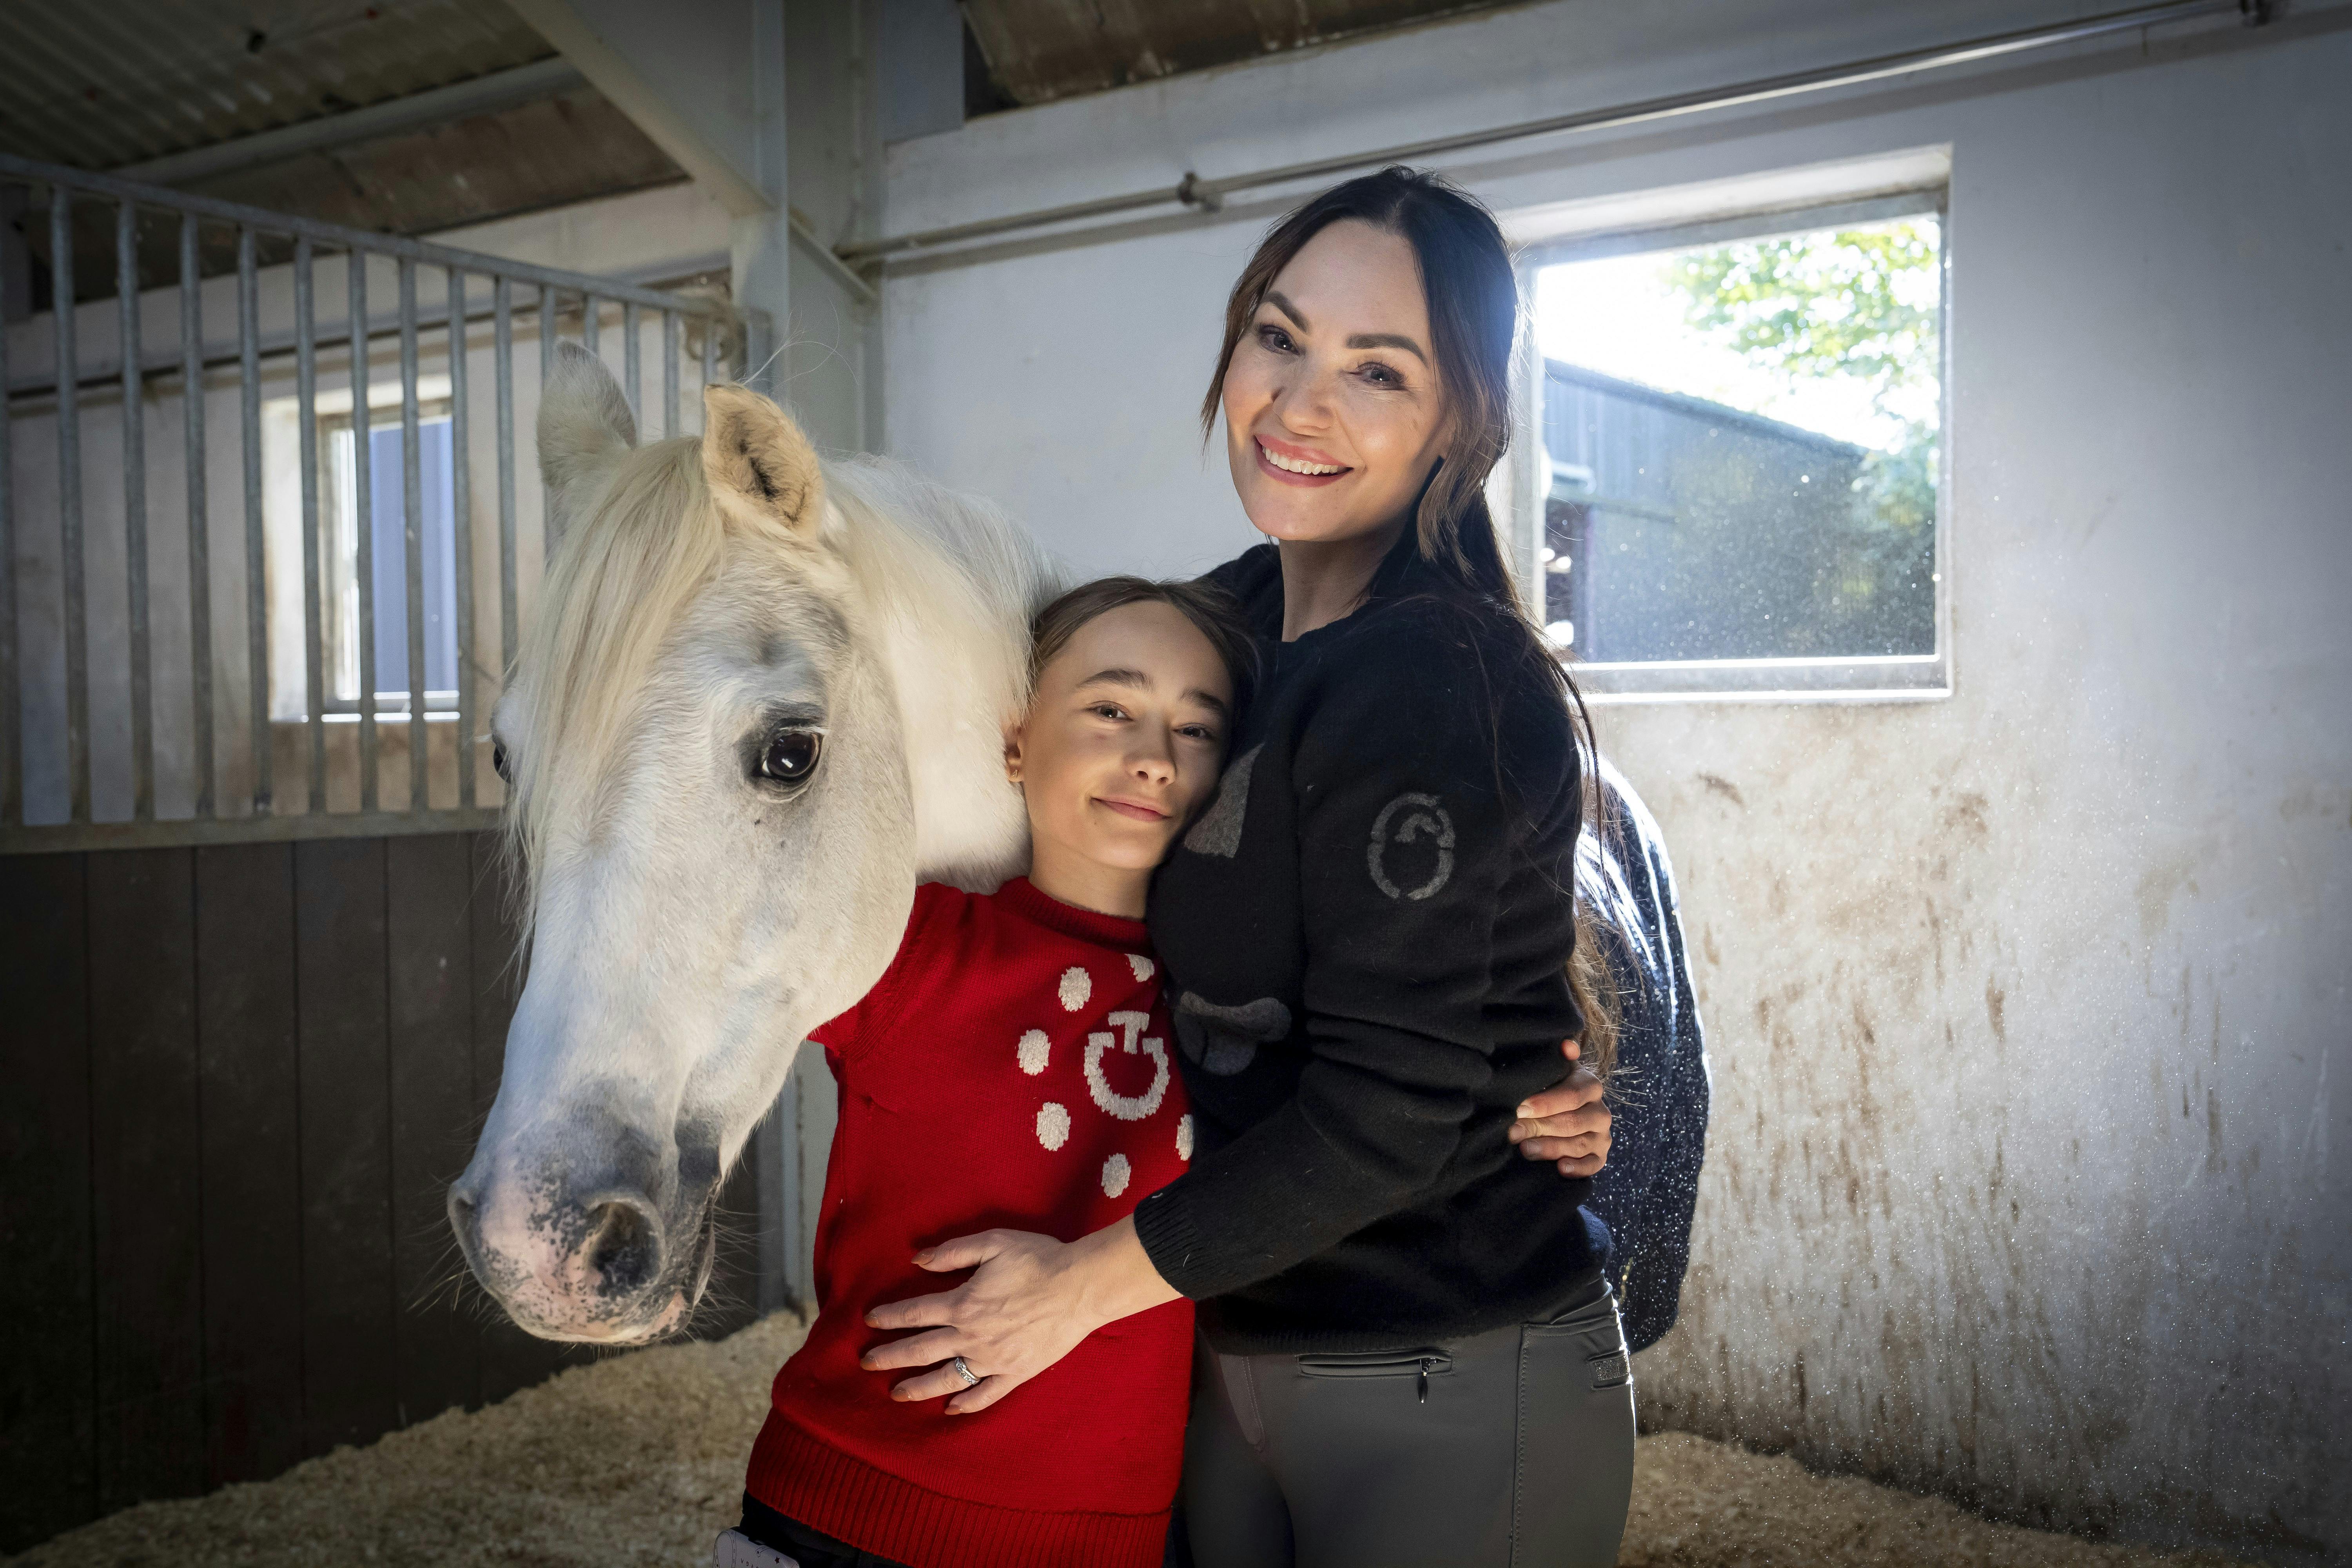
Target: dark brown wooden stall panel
(147,1216)
(235,1083)
(47,1417)
(349,1393)
(429,990)
(247,1055)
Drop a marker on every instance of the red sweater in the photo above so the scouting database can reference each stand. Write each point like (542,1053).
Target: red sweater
(1011,1068)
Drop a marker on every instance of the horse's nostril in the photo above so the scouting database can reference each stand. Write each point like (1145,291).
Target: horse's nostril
(622,1247)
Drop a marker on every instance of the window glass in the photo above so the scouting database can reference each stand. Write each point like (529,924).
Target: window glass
(388,576)
(1742,440)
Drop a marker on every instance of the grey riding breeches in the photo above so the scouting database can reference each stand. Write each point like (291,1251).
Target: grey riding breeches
(1512,1448)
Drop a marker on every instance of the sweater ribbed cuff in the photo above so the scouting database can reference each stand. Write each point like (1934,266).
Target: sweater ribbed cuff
(1172,1239)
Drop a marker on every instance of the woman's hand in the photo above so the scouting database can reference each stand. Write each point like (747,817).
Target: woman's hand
(1033,1299)
(1567,1123)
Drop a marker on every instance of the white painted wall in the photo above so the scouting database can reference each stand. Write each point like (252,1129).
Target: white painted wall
(2025,1005)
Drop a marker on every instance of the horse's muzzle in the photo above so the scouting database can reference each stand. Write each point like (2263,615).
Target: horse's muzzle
(597,1264)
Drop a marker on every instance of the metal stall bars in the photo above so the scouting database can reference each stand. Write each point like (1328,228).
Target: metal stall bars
(50,797)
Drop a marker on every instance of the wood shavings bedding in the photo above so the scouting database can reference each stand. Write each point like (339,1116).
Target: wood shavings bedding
(638,1461)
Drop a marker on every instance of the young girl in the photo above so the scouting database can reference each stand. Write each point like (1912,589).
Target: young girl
(1014,1067)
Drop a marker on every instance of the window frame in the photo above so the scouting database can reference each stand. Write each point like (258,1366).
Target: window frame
(1714,214)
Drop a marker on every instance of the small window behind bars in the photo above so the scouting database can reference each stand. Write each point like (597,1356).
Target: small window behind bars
(387,517)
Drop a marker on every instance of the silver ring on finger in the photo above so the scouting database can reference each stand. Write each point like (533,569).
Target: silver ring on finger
(971,1378)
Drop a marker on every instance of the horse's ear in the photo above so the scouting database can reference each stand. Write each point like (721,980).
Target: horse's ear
(757,460)
(585,428)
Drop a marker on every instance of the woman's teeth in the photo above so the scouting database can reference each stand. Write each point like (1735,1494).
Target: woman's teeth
(1295,466)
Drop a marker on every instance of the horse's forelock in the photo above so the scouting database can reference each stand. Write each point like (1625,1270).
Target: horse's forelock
(615,591)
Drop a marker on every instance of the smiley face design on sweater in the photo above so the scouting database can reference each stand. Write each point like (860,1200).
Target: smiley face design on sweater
(1112,1063)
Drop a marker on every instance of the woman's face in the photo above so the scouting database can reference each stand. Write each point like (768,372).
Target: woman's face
(1334,412)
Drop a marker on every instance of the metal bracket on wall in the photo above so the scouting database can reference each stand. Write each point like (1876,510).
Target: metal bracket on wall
(1195,193)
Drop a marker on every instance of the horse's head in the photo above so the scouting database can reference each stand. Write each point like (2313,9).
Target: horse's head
(708,790)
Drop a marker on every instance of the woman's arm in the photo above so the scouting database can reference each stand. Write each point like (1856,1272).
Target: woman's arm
(1396,995)
(1033,1299)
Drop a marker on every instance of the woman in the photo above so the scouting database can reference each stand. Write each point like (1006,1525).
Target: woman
(1411,1355)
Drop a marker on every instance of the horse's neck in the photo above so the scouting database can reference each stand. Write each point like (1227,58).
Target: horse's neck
(951,586)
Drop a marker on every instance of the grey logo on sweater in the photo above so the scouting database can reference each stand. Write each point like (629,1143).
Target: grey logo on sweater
(1423,818)
(1219,831)
(1223,1040)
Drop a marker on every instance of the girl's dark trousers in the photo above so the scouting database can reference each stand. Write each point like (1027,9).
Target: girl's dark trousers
(809,1548)
(1513,1448)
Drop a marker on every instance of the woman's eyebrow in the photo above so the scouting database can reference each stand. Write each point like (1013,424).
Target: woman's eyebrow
(1281,302)
(1388,340)
(1212,701)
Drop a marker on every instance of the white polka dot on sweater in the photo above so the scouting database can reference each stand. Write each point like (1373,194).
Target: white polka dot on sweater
(1053,1125)
(1077,986)
(1140,965)
(1114,1175)
(1184,1138)
(1034,1049)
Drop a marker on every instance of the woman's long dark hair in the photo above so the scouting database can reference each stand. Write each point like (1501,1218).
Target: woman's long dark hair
(1473,297)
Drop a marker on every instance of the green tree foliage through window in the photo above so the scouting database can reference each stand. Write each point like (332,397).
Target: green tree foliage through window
(1862,305)
(1846,304)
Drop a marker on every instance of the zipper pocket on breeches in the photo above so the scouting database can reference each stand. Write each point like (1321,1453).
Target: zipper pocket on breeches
(1418,1365)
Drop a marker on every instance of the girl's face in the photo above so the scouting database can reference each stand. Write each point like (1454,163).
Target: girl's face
(1121,744)
(1334,413)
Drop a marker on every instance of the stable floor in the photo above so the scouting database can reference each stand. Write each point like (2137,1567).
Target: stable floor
(638,1461)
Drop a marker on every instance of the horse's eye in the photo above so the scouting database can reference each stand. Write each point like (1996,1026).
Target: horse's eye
(791,756)
(498,759)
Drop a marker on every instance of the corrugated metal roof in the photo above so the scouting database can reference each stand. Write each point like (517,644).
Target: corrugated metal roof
(101,83)
(572,147)
(1041,50)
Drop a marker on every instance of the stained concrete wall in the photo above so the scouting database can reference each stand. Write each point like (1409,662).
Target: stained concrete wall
(2025,1004)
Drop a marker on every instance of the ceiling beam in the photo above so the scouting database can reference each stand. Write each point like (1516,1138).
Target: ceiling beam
(481,95)
(684,73)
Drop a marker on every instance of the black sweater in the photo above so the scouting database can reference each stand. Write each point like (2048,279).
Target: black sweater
(1365,938)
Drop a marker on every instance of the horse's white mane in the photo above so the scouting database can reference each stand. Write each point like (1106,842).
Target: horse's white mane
(635,557)
(951,583)
(893,513)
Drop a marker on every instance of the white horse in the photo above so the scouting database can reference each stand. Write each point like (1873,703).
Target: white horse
(764,697)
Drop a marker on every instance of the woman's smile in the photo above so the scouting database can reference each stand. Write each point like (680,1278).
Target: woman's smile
(1336,414)
(1293,464)
(1142,811)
